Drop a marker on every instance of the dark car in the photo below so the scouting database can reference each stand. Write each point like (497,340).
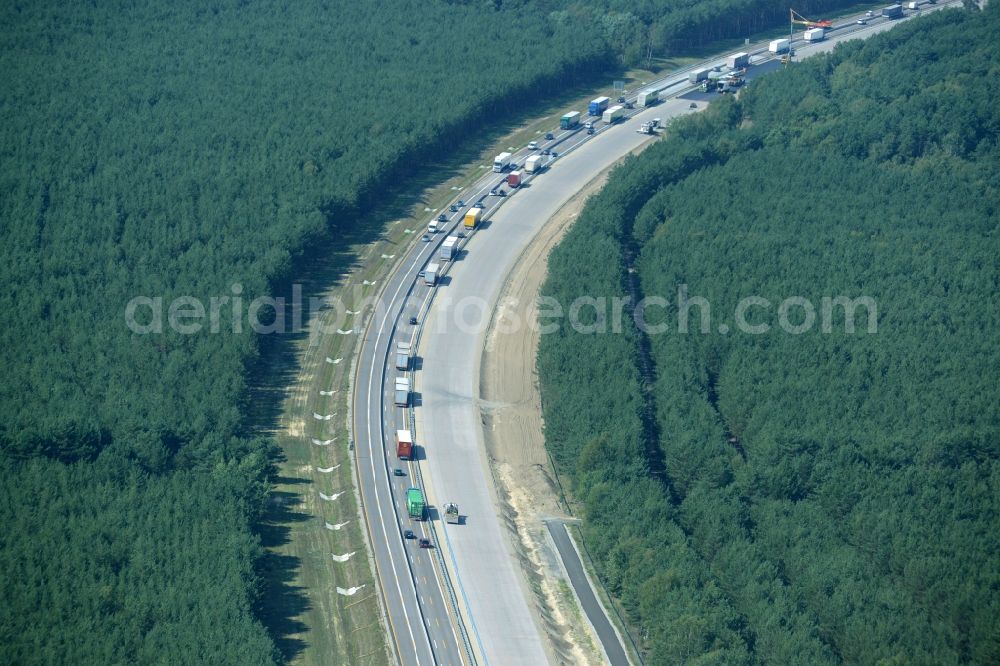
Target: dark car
(398,472)
(478,204)
(408,534)
(555,154)
(413,320)
(546,152)
(453,208)
(460,203)
(501,193)
(425,543)
(629,105)
(590,130)
(460,234)
(442,218)
(549,136)
(692,106)
(621,99)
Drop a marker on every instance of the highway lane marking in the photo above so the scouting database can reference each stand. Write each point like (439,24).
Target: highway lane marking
(378,499)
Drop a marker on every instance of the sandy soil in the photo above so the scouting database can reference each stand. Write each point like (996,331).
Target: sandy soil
(512,418)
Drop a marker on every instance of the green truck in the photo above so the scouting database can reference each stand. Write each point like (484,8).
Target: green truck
(415,503)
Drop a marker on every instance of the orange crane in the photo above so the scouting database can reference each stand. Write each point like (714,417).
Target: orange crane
(795,17)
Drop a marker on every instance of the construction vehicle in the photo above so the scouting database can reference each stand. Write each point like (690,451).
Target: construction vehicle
(451,513)
(415,503)
(799,19)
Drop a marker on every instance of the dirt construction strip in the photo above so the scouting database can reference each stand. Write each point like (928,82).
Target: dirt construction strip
(512,423)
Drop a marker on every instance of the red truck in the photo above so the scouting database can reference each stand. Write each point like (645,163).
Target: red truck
(514,179)
(404,445)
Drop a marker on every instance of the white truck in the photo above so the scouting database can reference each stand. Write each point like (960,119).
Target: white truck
(814,35)
(613,115)
(533,164)
(778,46)
(738,60)
(430,274)
(403,356)
(647,98)
(448,248)
(402,392)
(501,162)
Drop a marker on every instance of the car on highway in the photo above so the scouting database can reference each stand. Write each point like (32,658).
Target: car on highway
(413,320)
(862,22)
(442,218)
(408,534)
(501,193)
(478,204)
(460,234)
(425,543)
(532,145)
(549,136)
(554,154)
(453,208)
(590,130)
(629,105)
(692,105)
(621,99)
(398,472)
(460,203)
(425,238)
(546,152)
(869,13)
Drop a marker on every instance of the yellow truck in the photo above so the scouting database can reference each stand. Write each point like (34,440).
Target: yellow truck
(472,217)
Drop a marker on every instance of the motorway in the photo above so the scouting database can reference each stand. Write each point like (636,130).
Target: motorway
(465,599)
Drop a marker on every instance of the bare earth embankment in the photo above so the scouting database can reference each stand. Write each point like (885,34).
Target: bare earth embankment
(512,423)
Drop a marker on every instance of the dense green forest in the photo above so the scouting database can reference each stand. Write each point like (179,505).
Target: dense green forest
(821,497)
(640,29)
(167,149)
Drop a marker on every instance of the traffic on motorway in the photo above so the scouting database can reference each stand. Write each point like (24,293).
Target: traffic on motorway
(427,615)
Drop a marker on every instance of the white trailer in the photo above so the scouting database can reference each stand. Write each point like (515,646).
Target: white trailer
(430,274)
(613,115)
(778,46)
(448,248)
(738,60)
(648,98)
(533,164)
(815,35)
(501,162)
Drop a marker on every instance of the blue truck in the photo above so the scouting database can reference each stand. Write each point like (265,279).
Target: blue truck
(598,106)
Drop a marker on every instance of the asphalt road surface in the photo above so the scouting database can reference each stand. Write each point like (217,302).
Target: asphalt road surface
(613,650)
(471,567)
